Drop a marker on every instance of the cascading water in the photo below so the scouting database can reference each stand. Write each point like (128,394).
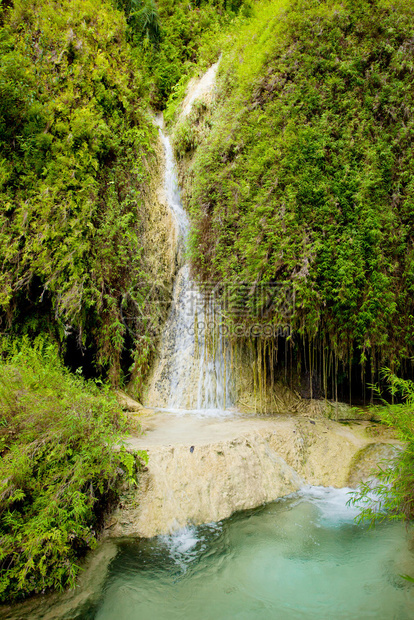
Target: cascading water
(299,558)
(193,370)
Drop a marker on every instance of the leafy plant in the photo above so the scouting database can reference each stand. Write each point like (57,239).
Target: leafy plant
(391,494)
(59,469)
(145,19)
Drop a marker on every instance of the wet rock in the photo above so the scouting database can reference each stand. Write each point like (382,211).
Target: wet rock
(236,463)
(127,403)
(367,460)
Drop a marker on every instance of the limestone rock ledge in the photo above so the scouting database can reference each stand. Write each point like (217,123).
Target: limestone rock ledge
(203,469)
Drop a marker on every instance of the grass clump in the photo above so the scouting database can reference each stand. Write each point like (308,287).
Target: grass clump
(59,471)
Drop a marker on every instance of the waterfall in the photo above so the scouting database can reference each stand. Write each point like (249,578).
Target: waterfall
(193,369)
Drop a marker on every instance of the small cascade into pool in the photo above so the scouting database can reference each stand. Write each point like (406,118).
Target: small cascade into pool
(299,558)
(302,557)
(193,372)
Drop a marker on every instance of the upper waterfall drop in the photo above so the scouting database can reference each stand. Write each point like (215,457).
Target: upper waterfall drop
(193,371)
(171,187)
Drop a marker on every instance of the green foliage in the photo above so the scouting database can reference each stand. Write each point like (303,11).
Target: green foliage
(187,35)
(191,132)
(143,19)
(394,483)
(305,178)
(76,150)
(58,468)
(76,162)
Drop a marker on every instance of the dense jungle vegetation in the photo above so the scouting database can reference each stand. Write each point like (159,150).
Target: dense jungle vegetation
(79,258)
(77,165)
(76,155)
(59,471)
(173,38)
(301,177)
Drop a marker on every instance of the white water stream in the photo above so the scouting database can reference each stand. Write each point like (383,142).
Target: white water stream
(193,370)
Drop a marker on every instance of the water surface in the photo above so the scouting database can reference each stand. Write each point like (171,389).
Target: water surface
(300,557)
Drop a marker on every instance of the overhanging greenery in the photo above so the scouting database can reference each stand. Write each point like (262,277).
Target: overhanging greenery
(76,160)
(305,177)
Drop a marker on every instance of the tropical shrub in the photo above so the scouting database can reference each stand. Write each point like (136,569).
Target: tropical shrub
(59,471)
(392,488)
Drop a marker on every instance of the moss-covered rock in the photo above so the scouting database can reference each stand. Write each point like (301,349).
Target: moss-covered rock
(78,173)
(304,182)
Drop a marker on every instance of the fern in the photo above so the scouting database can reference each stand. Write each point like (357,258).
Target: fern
(59,471)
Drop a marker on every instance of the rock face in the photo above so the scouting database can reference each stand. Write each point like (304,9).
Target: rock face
(204,469)
(162,237)
(127,403)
